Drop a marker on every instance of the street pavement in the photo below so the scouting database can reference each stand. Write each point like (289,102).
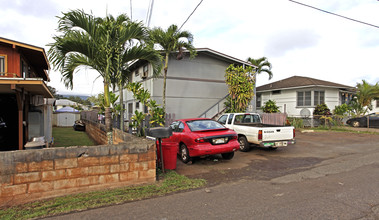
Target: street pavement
(344,185)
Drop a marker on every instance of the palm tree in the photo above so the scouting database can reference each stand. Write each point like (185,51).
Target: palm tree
(105,45)
(262,65)
(130,40)
(171,40)
(366,93)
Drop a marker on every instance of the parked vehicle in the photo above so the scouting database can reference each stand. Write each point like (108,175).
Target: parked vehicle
(79,125)
(201,137)
(362,121)
(251,131)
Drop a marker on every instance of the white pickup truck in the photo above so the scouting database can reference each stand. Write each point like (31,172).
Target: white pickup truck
(250,130)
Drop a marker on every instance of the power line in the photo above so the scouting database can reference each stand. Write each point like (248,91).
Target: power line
(334,14)
(131,10)
(149,12)
(190,15)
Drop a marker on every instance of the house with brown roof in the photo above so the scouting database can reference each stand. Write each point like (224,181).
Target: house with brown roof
(298,95)
(25,110)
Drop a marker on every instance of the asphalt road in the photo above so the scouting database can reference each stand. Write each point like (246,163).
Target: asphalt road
(324,176)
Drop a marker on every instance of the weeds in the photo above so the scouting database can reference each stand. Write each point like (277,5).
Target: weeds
(172,182)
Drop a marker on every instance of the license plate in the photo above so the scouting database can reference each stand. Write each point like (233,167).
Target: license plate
(281,144)
(218,140)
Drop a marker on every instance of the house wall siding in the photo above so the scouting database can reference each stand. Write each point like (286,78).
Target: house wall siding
(13,60)
(288,98)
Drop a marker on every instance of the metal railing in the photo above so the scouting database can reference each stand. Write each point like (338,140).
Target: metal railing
(214,109)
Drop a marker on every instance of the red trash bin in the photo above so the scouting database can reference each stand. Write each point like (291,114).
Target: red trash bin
(169,156)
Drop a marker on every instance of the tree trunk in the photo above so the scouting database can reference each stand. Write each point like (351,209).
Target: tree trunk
(164,84)
(108,124)
(122,107)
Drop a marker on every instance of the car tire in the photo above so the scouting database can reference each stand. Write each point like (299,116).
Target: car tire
(244,145)
(184,154)
(356,124)
(227,156)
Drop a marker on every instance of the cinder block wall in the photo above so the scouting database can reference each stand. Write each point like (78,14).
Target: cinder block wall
(36,174)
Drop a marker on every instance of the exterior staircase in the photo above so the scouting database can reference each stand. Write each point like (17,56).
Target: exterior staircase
(215,110)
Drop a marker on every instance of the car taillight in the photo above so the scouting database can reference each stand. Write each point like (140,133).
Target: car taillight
(200,140)
(293,133)
(259,135)
(233,137)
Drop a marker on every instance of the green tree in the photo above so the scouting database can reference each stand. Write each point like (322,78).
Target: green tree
(262,65)
(143,95)
(103,44)
(171,40)
(240,87)
(362,102)
(130,38)
(270,107)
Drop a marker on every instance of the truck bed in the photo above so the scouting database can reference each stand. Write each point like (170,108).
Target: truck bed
(259,125)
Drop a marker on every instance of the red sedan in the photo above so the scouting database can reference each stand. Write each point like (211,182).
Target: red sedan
(201,137)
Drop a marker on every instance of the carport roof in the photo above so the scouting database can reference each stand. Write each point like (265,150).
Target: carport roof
(30,85)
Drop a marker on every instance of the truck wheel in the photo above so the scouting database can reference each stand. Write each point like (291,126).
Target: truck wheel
(184,155)
(227,156)
(244,145)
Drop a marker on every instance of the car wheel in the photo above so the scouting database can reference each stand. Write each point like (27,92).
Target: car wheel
(227,156)
(356,124)
(244,145)
(184,155)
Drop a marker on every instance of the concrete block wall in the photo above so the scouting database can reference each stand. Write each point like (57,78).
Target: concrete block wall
(37,174)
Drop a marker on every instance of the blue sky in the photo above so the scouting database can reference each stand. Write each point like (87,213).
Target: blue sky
(297,40)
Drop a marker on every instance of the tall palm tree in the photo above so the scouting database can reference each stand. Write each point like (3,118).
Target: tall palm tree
(169,41)
(262,65)
(130,40)
(104,45)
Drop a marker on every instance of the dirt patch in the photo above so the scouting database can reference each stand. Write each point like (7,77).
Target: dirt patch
(266,169)
(260,164)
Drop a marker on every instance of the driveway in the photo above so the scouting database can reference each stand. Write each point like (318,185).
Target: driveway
(326,175)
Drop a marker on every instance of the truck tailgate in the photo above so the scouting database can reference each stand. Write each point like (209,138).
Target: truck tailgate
(277,133)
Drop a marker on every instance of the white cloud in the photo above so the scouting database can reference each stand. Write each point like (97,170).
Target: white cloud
(297,40)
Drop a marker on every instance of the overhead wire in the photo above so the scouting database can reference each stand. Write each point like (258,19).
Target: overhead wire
(149,12)
(190,14)
(334,14)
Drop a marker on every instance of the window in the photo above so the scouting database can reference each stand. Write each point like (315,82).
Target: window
(145,71)
(136,73)
(177,126)
(377,103)
(222,119)
(202,125)
(137,105)
(276,92)
(304,98)
(3,61)
(319,98)
(259,100)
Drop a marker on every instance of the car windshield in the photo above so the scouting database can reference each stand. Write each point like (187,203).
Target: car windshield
(202,125)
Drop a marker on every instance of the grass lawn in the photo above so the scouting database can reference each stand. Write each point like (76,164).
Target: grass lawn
(67,136)
(172,182)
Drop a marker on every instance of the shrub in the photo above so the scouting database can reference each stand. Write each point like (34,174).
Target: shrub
(270,107)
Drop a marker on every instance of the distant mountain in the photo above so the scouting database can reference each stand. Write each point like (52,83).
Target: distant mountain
(84,97)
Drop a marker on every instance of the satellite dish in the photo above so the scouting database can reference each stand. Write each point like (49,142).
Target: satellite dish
(305,113)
